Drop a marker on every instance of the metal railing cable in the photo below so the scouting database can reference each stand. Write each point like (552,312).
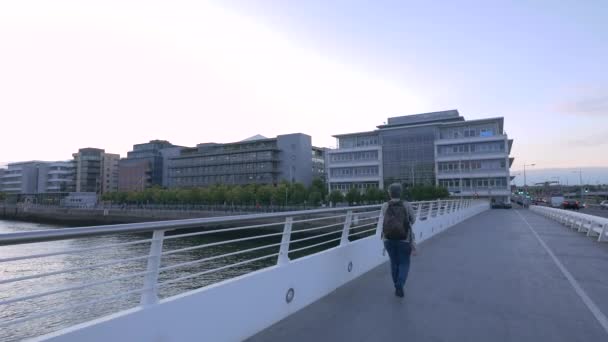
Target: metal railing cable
(213,247)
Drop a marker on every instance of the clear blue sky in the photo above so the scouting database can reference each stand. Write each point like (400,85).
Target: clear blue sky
(110,74)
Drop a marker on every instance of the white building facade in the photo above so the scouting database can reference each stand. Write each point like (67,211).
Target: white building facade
(356,163)
(472,159)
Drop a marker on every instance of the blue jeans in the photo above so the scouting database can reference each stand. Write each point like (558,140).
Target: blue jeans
(399,252)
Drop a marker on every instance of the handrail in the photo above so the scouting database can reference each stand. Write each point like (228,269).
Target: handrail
(71,233)
(353,223)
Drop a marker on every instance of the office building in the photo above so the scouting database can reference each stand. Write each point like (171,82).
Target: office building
(469,158)
(257,160)
(143,167)
(472,158)
(356,163)
(37,177)
(21,178)
(96,170)
(57,177)
(318,162)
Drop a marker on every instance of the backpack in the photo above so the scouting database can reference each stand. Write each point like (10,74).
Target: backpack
(396,224)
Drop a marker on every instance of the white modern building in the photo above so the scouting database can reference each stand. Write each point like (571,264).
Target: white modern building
(35,177)
(57,177)
(472,159)
(356,163)
(468,157)
(21,178)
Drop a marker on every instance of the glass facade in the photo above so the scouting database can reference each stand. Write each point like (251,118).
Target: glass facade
(409,155)
(240,166)
(143,166)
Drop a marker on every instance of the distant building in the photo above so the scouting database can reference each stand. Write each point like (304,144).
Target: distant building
(2,171)
(144,166)
(96,171)
(55,177)
(318,163)
(356,163)
(469,158)
(21,178)
(109,173)
(472,158)
(257,160)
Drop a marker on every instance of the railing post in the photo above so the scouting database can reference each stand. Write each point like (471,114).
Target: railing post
(603,233)
(286,238)
(380,224)
(150,295)
(346,229)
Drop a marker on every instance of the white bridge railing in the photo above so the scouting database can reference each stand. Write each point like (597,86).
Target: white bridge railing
(589,224)
(195,276)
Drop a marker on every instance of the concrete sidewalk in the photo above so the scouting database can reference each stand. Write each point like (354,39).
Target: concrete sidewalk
(486,279)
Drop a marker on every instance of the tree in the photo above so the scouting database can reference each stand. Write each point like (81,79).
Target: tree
(374,195)
(264,194)
(336,196)
(353,196)
(319,185)
(280,194)
(314,198)
(248,194)
(218,194)
(234,195)
(298,194)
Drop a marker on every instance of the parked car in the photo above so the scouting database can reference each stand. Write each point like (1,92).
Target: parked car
(604,204)
(501,205)
(570,204)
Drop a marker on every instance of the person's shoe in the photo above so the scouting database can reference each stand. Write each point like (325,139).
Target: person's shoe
(399,293)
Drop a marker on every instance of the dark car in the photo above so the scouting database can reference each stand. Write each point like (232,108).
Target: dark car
(501,205)
(571,204)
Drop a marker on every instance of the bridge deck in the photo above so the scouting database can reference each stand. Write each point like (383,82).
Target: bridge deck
(486,279)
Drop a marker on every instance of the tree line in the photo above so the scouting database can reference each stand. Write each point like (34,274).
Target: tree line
(283,194)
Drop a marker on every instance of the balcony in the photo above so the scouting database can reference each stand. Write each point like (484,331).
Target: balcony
(480,191)
(478,173)
(471,156)
(466,140)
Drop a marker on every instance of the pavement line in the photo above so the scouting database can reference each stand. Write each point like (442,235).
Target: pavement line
(601,318)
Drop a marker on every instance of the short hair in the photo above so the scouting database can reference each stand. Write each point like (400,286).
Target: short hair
(394,190)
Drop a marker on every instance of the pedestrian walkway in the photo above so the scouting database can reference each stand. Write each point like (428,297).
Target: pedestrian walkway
(490,278)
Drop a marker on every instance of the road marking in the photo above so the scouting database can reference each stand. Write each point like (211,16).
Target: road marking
(601,318)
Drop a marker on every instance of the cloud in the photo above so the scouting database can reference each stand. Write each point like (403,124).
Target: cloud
(590,104)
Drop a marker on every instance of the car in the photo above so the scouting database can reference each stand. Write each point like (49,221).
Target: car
(571,204)
(604,204)
(501,205)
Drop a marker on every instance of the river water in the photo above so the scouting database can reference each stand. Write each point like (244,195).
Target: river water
(72,316)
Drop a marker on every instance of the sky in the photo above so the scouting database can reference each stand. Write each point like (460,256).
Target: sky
(111,74)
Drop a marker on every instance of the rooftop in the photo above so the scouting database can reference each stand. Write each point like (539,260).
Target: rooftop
(423,118)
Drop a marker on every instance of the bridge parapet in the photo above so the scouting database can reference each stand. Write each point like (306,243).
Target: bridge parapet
(589,224)
(313,253)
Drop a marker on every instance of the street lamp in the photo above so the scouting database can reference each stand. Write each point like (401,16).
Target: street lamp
(525,184)
(580,179)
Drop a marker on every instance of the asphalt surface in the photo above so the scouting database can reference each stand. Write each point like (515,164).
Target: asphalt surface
(486,279)
(595,211)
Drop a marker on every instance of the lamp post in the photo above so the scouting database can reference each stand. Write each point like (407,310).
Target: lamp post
(525,184)
(580,179)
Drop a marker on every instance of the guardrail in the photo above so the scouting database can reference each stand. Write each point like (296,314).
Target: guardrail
(264,241)
(590,224)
